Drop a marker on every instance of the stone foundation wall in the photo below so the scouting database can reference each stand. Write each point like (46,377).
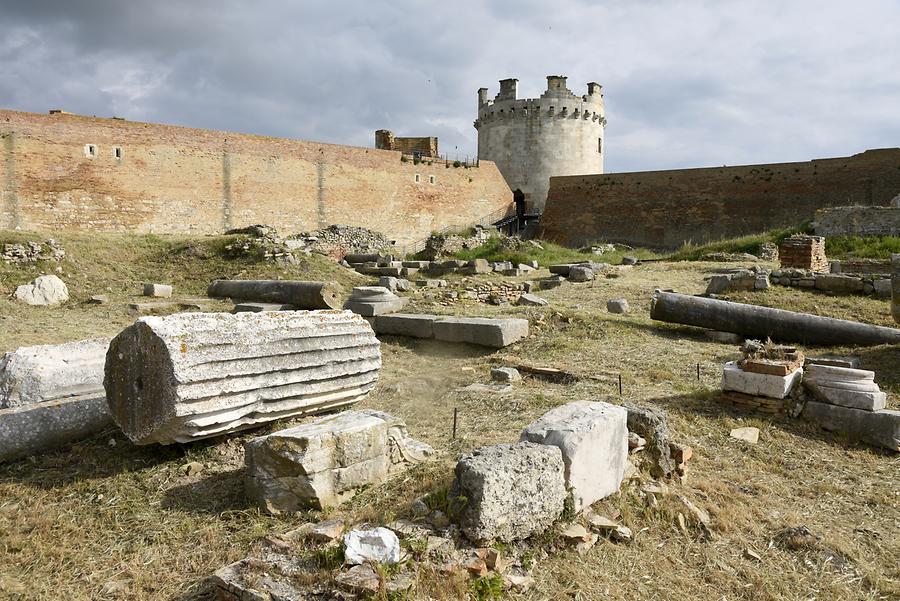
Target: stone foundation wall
(69,172)
(858,221)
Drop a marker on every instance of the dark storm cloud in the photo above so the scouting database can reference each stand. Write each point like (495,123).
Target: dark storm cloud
(687,83)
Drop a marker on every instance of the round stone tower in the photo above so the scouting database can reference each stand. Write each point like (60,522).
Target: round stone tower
(535,138)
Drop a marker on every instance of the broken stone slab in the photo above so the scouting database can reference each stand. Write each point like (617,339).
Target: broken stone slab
(303,295)
(98,299)
(361,579)
(531,300)
(652,425)
(477,266)
(552,282)
(756,384)
(389,282)
(158,290)
(496,333)
(511,491)
(324,463)
(580,273)
(379,545)
(879,428)
(162,306)
(262,307)
(593,439)
(194,375)
(833,361)
(748,434)
(42,291)
(617,305)
(823,373)
(626,260)
(431,283)
(404,324)
(867,401)
(486,388)
(32,374)
(28,429)
(505,374)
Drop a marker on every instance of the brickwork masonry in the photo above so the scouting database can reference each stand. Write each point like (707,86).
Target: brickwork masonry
(70,172)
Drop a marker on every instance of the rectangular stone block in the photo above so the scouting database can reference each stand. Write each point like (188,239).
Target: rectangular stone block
(27,429)
(323,463)
(495,333)
(879,428)
(158,290)
(511,491)
(776,387)
(404,324)
(858,399)
(593,438)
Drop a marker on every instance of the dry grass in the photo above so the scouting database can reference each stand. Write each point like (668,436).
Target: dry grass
(118,521)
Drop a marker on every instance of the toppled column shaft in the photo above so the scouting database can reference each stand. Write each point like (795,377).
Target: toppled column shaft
(194,375)
(762,322)
(303,295)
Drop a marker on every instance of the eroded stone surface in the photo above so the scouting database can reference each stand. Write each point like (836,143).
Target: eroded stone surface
(593,438)
(194,375)
(324,463)
(512,491)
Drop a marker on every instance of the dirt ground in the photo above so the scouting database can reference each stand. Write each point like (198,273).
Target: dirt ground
(105,519)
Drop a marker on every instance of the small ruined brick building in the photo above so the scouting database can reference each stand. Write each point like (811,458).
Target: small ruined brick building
(532,139)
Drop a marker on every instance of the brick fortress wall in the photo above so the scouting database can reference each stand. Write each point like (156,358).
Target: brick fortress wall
(664,209)
(169,179)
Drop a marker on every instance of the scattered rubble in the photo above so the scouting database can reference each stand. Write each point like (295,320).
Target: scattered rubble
(194,375)
(652,424)
(739,279)
(31,252)
(324,463)
(43,290)
(445,245)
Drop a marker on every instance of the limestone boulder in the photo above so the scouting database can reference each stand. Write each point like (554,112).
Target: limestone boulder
(580,273)
(593,439)
(43,290)
(511,491)
(195,375)
(324,463)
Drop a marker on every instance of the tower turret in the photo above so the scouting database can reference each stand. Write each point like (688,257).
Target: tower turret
(532,139)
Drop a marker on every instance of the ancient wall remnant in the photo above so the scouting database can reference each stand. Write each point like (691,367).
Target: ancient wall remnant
(858,221)
(804,252)
(425,146)
(532,139)
(664,209)
(70,172)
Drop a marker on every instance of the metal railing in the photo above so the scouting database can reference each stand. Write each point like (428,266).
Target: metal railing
(488,220)
(418,157)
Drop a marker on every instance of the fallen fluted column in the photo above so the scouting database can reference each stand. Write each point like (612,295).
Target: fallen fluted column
(764,322)
(194,375)
(302,295)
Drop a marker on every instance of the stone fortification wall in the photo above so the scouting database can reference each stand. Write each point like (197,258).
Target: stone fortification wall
(533,139)
(664,209)
(67,171)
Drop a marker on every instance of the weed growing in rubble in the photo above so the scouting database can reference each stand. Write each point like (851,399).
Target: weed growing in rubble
(487,587)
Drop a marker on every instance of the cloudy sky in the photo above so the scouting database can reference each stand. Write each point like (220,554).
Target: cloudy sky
(687,82)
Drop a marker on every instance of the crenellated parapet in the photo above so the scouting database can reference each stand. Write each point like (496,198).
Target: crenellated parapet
(557,102)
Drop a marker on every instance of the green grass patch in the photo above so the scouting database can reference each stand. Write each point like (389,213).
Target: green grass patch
(545,253)
(862,247)
(744,244)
